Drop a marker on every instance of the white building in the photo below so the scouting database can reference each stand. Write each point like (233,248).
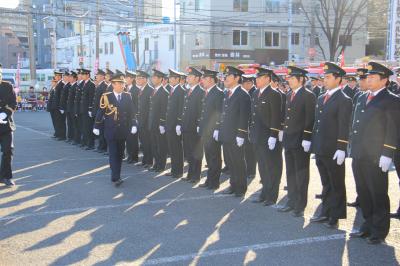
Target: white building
(156,49)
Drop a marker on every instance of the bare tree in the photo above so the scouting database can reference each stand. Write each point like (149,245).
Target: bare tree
(336,18)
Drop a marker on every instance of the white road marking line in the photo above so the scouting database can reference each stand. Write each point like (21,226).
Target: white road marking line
(242,249)
(64,159)
(111,206)
(33,130)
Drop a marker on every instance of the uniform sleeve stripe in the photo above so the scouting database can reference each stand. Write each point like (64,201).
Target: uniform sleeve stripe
(242,130)
(343,141)
(275,129)
(306,131)
(390,147)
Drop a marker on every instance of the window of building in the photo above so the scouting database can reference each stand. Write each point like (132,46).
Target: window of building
(271,39)
(345,40)
(295,38)
(146,44)
(105,48)
(197,5)
(241,5)
(171,42)
(272,6)
(111,48)
(240,37)
(133,45)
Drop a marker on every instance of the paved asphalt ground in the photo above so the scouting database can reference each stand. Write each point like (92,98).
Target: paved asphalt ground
(65,211)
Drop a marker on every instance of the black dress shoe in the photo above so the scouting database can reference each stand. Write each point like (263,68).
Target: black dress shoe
(375,240)
(358,234)
(332,223)
(203,185)
(297,213)
(194,181)
(353,204)
(186,179)
(8,182)
(213,187)
(169,174)
(319,219)
(239,195)
(258,200)
(285,209)
(229,191)
(176,176)
(268,203)
(395,215)
(118,182)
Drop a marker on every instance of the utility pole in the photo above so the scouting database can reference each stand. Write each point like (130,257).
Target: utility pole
(97,63)
(81,44)
(31,43)
(174,34)
(290,2)
(137,33)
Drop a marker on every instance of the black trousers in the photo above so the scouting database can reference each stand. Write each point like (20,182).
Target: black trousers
(132,147)
(78,129)
(102,145)
(193,149)
(270,169)
(298,177)
(70,126)
(59,120)
(334,196)
(159,149)
(397,165)
(53,121)
(175,146)
(212,151)
(145,142)
(116,154)
(251,160)
(87,130)
(372,186)
(7,149)
(234,157)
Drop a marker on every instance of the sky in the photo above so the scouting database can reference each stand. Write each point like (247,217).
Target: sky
(9,3)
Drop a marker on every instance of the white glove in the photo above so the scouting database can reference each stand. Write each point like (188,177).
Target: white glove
(178,130)
(198,129)
(306,145)
(162,130)
(3,122)
(62,112)
(215,135)
(339,157)
(280,135)
(384,163)
(271,143)
(96,131)
(90,114)
(134,130)
(3,116)
(239,141)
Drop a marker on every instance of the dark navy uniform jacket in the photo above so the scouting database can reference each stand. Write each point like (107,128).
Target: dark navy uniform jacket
(116,118)
(142,116)
(175,108)
(8,105)
(235,116)
(192,109)
(211,113)
(158,108)
(375,126)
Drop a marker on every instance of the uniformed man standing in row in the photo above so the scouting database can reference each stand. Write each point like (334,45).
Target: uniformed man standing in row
(70,106)
(157,121)
(132,142)
(63,104)
(329,143)
(77,113)
(300,108)
(266,124)
(192,146)
(314,86)
(145,92)
(86,109)
(8,105)
(209,122)
(250,150)
(351,87)
(174,117)
(373,144)
(116,117)
(234,130)
(51,106)
(58,116)
(101,87)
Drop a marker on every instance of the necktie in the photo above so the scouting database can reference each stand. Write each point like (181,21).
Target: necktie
(292,97)
(259,93)
(119,98)
(172,91)
(205,95)
(370,97)
(229,94)
(190,92)
(326,98)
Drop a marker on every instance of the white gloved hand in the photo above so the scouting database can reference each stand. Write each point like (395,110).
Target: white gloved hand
(133,130)
(3,116)
(198,129)
(62,112)
(96,131)
(3,122)
(239,141)
(90,114)
(339,157)
(162,130)
(271,143)
(306,145)
(280,135)
(384,163)
(215,135)
(178,130)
